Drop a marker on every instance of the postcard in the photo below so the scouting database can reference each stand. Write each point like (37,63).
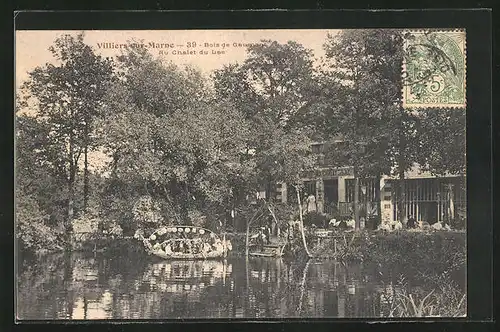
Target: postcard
(246,173)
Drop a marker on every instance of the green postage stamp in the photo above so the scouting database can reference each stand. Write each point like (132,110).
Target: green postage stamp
(434,69)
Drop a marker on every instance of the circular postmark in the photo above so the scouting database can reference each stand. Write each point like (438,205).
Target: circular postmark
(434,66)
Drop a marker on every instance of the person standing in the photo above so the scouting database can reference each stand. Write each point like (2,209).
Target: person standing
(311,203)
(268,234)
(262,238)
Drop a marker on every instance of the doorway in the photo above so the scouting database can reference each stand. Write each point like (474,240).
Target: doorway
(331,195)
(428,212)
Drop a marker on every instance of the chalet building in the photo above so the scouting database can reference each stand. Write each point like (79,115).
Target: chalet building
(427,198)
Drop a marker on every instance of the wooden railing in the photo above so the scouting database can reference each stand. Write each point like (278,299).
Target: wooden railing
(340,208)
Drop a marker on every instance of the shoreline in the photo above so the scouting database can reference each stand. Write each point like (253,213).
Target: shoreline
(344,246)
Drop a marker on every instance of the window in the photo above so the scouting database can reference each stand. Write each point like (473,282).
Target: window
(317,148)
(370,187)
(309,188)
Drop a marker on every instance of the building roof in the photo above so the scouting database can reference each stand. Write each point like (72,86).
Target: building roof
(416,172)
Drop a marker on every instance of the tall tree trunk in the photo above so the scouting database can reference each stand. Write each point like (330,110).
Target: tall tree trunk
(269,189)
(246,300)
(85,179)
(86,168)
(304,243)
(86,306)
(247,240)
(378,200)
(71,202)
(184,204)
(247,234)
(271,210)
(402,196)
(71,191)
(401,170)
(224,246)
(357,221)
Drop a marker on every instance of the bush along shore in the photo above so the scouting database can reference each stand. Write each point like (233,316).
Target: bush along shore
(394,248)
(433,247)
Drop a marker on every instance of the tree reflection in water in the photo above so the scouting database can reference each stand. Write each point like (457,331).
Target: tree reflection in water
(80,287)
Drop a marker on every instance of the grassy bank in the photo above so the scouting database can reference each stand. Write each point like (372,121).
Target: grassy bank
(433,253)
(433,248)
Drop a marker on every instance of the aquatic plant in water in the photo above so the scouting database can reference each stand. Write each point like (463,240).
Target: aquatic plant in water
(444,301)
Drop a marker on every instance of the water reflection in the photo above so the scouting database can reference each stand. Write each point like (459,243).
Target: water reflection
(79,287)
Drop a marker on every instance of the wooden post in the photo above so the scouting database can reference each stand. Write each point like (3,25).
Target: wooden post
(224,272)
(224,243)
(247,239)
(356,204)
(301,219)
(224,246)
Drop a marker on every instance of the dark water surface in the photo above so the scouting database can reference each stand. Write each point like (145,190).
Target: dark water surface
(97,287)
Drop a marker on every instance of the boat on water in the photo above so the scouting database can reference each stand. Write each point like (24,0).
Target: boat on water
(274,250)
(260,247)
(185,242)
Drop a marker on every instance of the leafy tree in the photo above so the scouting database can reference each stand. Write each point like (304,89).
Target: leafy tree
(146,210)
(271,88)
(442,142)
(137,106)
(67,97)
(208,154)
(33,230)
(381,136)
(366,69)
(164,131)
(40,172)
(281,74)
(271,85)
(286,158)
(232,83)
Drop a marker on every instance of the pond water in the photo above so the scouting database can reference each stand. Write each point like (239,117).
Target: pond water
(97,287)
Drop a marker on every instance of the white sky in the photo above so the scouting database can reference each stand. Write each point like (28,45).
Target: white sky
(31,47)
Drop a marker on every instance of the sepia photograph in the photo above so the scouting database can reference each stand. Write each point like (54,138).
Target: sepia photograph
(255,174)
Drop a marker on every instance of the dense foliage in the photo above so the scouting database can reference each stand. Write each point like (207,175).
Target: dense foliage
(117,146)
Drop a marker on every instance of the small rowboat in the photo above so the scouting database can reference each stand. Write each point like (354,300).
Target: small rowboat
(270,250)
(185,242)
